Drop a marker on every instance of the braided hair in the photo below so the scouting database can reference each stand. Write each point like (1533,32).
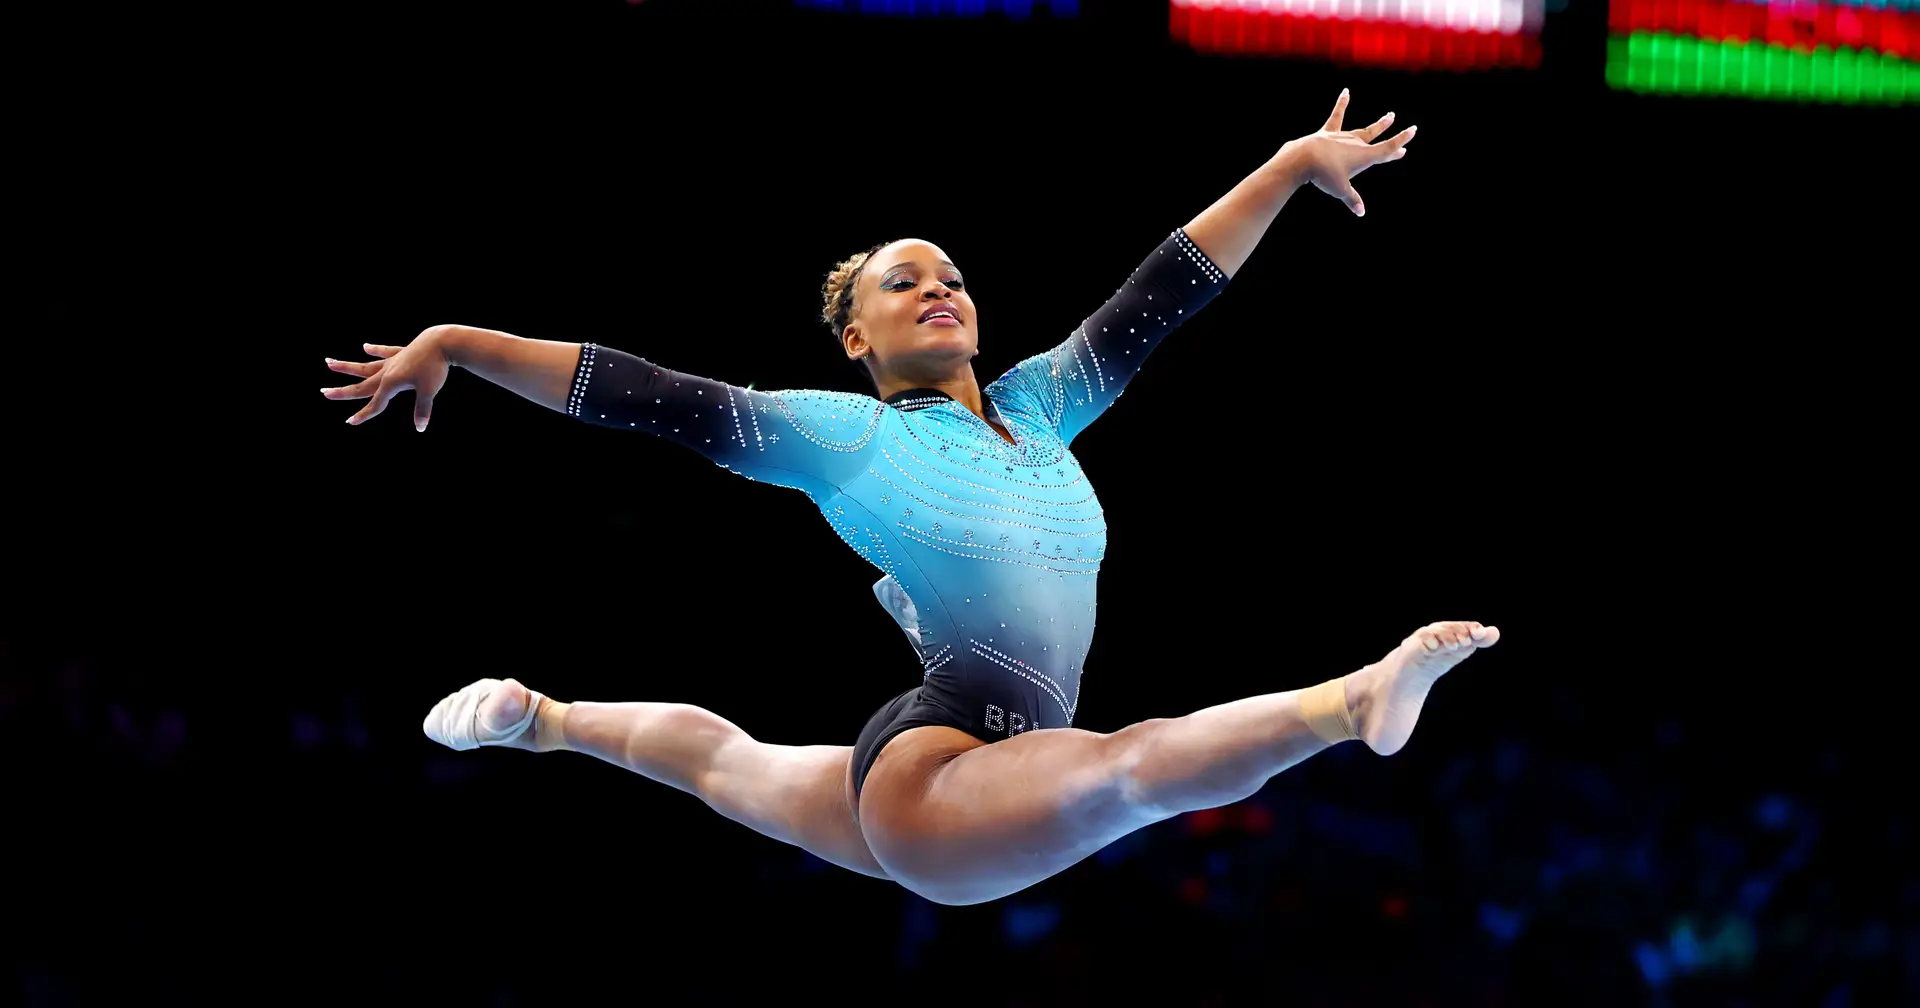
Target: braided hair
(838,291)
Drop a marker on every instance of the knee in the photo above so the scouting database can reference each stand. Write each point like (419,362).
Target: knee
(1133,755)
(1133,745)
(691,745)
(696,724)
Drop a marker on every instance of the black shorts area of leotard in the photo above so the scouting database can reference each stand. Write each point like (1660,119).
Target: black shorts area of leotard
(908,710)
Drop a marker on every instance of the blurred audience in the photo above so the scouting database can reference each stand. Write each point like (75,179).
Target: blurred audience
(1517,873)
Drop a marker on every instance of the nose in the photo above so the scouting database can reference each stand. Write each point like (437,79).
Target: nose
(938,290)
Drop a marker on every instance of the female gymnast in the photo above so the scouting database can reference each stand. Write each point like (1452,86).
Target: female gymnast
(970,786)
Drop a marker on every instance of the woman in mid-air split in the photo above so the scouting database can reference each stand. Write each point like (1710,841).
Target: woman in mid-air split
(972,785)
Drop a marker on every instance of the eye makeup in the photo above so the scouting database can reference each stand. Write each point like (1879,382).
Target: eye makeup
(896,281)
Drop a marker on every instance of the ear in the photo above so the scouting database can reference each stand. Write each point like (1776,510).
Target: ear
(855,342)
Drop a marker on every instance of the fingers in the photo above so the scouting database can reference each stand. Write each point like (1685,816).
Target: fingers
(381,397)
(422,412)
(364,369)
(1351,197)
(359,391)
(1395,147)
(379,387)
(1339,111)
(1379,126)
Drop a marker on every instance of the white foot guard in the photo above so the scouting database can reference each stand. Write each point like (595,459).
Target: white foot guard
(455,721)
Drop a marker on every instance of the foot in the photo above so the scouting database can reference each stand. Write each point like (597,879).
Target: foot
(1385,697)
(491,712)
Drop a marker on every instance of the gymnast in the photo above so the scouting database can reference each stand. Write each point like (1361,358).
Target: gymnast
(971,785)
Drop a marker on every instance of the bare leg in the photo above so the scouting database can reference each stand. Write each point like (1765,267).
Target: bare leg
(1222,754)
(994,819)
(794,794)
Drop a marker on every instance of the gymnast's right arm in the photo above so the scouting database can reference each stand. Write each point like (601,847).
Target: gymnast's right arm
(811,441)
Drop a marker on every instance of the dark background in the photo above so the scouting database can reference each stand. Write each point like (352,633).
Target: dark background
(1599,368)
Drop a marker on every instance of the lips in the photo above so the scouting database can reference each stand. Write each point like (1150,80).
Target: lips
(938,309)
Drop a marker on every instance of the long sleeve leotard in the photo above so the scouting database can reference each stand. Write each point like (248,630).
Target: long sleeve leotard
(990,550)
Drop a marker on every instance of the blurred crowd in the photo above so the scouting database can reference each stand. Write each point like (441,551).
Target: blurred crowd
(1661,871)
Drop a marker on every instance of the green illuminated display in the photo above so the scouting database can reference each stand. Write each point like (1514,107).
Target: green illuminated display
(1679,64)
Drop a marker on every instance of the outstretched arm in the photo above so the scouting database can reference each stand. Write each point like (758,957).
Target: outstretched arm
(1228,230)
(540,370)
(811,441)
(1072,384)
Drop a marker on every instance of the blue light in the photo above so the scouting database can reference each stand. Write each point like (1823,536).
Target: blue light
(1503,924)
(1652,964)
(1774,811)
(1028,923)
(1684,947)
(1638,861)
(1509,760)
(922,925)
(1754,895)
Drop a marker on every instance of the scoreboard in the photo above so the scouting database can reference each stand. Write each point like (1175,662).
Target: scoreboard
(1415,34)
(1801,50)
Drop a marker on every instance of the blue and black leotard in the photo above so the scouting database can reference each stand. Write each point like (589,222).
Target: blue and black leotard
(989,549)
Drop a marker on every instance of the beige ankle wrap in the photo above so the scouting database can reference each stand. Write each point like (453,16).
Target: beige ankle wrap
(1325,709)
(549,725)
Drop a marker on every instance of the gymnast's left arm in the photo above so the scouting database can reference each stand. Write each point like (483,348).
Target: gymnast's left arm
(1076,381)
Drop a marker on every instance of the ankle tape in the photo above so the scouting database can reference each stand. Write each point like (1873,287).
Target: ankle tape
(549,724)
(1325,709)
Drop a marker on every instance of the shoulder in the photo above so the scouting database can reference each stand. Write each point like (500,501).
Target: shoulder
(1040,365)
(839,420)
(1033,376)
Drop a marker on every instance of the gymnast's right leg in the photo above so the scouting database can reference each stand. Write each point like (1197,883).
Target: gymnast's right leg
(794,794)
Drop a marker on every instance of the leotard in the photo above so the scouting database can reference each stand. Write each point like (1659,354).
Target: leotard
(989,550)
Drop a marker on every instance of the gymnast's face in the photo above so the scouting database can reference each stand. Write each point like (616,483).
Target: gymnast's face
(911,312)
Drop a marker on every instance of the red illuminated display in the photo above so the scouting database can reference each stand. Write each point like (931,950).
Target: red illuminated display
(1341,40)
(1890,32)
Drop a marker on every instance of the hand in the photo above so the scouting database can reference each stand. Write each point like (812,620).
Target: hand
(1332,156)
(421,365)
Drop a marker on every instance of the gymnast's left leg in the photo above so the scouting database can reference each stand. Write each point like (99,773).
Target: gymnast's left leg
(959,822)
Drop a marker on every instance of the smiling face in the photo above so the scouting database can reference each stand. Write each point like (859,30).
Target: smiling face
(912,316)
